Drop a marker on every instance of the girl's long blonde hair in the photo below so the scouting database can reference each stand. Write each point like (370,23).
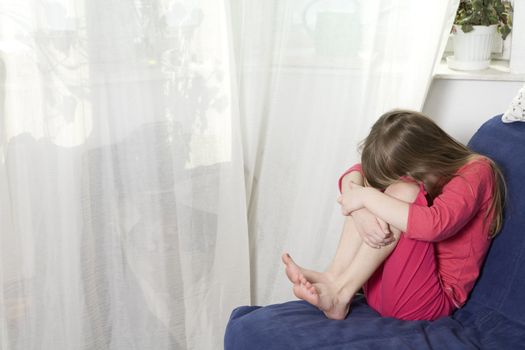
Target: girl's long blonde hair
(408,143)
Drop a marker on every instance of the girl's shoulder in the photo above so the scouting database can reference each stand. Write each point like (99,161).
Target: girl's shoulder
(477,172)
(477,164)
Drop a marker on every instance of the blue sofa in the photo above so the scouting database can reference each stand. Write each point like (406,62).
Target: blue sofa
(493,317)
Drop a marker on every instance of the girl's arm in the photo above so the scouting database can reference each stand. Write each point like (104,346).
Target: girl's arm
(460,200)
(389,209)
(374,231)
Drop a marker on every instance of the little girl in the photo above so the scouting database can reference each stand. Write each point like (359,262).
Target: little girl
(421,211)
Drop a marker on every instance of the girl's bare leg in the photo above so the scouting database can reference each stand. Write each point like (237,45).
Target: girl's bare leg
(349,244)
(334,297)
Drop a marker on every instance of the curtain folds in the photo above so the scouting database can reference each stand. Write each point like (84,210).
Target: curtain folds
(156,157)
(123,213)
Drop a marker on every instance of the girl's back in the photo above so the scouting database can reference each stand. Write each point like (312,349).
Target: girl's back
(457,223)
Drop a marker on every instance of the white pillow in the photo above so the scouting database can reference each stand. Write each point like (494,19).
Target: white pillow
(516,110)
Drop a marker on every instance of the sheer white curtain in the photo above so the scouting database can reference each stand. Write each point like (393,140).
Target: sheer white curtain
(123,218)
(137,138)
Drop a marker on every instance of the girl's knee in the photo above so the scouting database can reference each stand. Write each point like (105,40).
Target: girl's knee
(403,190)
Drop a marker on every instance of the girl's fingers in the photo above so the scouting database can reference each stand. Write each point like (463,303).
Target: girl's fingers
(384,226)
(369,243)
(372,243)
(390,240)
(378,237)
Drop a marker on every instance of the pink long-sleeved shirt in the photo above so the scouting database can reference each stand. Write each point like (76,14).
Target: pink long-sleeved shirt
(458,224)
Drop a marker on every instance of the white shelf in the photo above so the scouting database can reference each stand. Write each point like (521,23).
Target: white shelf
(497,71)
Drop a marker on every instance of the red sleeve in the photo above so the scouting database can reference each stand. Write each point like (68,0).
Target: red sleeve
(458,203)
(355,167)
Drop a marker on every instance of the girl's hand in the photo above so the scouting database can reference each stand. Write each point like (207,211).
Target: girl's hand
(352,199)
(374,231)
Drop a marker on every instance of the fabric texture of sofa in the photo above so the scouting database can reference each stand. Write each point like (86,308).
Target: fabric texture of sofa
(493,317)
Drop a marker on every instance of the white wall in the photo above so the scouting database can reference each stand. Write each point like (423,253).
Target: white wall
(461,106)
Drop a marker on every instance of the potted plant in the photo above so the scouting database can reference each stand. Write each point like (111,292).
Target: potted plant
(474,28)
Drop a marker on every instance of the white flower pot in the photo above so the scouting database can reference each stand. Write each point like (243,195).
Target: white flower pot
(472,50)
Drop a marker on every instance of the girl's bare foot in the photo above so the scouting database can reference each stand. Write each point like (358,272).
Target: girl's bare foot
(293,271)
(296,274)
(334,305)
(322,293)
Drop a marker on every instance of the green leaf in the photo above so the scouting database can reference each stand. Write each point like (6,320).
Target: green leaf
(504,31)
(466,28)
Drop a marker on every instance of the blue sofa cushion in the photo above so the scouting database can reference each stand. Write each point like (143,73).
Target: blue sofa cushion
(299,325)
(501,285)
(493,317)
